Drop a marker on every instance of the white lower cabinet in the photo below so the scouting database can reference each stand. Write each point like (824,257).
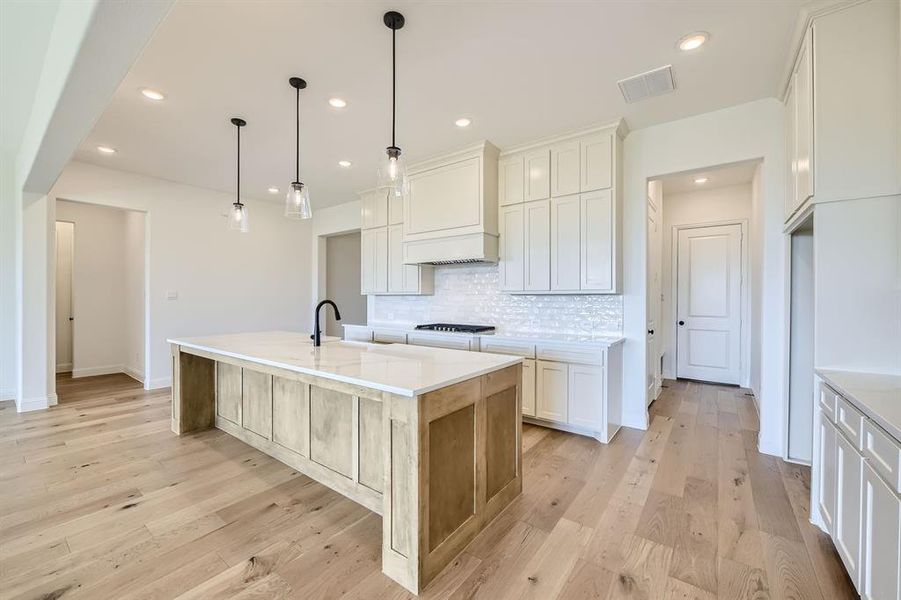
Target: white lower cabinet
(847,505)
(528,387)
(586,396)
(826,487)
(552,390)
(880,572)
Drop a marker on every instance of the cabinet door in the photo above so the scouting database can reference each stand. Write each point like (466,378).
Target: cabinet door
(565,172)
(880,555)
(803,84)
(374,261)
(537,246)
(586,397)
(791,153)
(827,483)
(538,175)
(512,259)
(395,209)
(847,506)
(510,180)
(257,402)
(597,162)
(228,392)
(551,395)
(565,247)
(528,387)
(396,264)
(374,209)
(596,241)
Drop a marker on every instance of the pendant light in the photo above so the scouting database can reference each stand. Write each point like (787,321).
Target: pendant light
(297,202)
(237,218)
(392,168)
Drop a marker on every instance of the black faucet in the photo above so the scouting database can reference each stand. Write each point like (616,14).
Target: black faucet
(317,330)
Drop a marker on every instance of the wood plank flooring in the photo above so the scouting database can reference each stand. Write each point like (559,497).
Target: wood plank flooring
(98,499)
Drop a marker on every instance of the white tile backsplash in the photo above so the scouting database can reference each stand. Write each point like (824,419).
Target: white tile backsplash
(471,294)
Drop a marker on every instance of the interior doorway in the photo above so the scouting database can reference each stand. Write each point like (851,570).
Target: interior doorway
(342,281)
(801,375)
(65,258)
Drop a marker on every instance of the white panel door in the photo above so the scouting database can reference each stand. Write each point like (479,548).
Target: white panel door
(565,247)
(597,241)
(510,181)
(565,171)
(586,397)
(880,575)
(538,175)
(537,266)
(65,256)
(708,344)
(847,506)
(511,266)
(528,387)
(551,394)
(827,483)
(597,162)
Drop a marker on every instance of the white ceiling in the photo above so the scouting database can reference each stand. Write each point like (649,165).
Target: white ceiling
(519,70)
(733,174)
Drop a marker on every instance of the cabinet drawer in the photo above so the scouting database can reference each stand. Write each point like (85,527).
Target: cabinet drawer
(389,337)
(849,421)
(827,401)
(883,453)
(440,342)
(570,354)
(355,334)
(524,349)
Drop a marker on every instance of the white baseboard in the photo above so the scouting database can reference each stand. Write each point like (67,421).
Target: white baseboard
(155,384)
(7,394)
(63,367)
(134,373)
(92,371)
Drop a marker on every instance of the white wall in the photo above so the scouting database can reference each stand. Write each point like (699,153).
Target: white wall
(105,285)
(739,133)
(727,203)
(343,282)
(225,281)
(756,281)
(8,208)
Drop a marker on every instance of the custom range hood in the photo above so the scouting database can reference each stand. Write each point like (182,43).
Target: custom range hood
(450,209)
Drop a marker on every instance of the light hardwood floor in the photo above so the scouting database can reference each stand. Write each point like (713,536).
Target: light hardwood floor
(98,499)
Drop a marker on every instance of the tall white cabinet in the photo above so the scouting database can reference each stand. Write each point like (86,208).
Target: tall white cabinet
(382,267)
(560,214)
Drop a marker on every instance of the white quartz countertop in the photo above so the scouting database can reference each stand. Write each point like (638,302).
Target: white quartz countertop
(877,395)
(536,338)
(395,368)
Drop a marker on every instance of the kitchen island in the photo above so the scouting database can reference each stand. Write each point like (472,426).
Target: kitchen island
(429,438)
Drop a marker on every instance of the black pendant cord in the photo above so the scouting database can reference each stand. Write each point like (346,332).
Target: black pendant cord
(297,141)
(239,168)
(393,84)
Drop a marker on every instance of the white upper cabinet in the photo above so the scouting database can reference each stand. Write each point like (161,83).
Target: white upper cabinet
(565,250)
(511,180)
(395,209)
(597,162)
(803,84)
(374,209)
(596,241)
(374,261)
(538,174)
(565,172)
(570,245)
(537,246)
(511,266)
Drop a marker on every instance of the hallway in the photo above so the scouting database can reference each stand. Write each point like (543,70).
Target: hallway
(100,500)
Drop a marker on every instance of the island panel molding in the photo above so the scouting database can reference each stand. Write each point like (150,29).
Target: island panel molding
(438,466)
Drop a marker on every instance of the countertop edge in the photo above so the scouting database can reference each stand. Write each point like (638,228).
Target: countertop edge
(408,392)
(893,429)
(613,340)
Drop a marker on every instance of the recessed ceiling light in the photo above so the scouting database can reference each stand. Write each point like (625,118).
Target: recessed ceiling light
(463,122)
(152,94)
(273,190)
(106,150)
(337,102)
(701,180)
(693,41)
(344,164)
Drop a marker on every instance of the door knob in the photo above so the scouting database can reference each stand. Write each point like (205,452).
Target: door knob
(651,331)
(681,322)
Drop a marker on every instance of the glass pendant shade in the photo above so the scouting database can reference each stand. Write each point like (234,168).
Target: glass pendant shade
(393,173)
(237,218)
(297,202)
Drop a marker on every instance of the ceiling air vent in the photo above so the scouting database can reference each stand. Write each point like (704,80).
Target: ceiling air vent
(644,85)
